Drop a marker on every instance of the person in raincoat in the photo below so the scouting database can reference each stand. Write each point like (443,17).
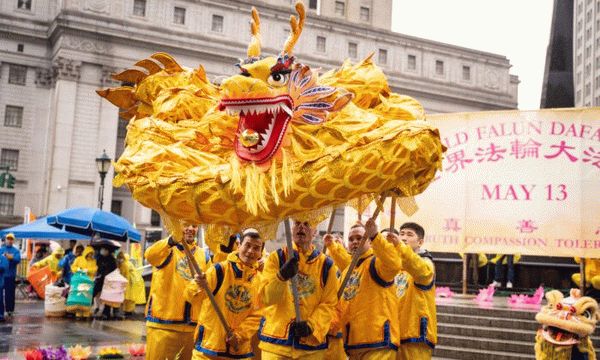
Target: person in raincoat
(84,269)
(107,263)
(280,335)
(86,262)
(13,255)
(3,270)
(415,288)
(52,261)
(234,283)
(67,261)
(170,320)
(135,293)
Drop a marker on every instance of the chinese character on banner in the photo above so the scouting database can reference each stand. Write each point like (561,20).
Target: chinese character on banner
(526,226)
(492,153)
(451,225)
(592,155)
(529,149)
(457,159)
(562,148)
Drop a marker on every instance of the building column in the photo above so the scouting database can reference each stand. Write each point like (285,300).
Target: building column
(108,123)
(62,112)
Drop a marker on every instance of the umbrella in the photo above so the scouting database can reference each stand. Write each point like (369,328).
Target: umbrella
(40,229)
(112,245)
(92,221)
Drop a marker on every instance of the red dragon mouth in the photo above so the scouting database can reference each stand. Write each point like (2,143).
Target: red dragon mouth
(268,117)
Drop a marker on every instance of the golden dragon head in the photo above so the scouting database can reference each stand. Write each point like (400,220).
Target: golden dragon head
(566,321)
(270,93)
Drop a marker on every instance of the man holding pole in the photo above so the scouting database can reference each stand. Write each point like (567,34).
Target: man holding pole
(415,287)
(282,334)
(169,318)
(234,284)
(369,303)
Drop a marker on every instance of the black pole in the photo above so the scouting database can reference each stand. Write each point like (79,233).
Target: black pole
(101,191)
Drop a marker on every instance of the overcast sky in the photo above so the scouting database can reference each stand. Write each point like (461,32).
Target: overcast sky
(517,29)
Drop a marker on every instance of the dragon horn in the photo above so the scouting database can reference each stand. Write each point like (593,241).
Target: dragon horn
(296,28)
(254,46)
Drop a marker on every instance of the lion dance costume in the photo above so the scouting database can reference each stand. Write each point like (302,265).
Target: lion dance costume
(272,141)
(567,326)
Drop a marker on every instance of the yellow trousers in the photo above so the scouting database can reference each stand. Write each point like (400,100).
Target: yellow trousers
(379,354)
(162,344)
(594,281)
(197,355)
(128,306)
(418,351)
(302,354)
(335,351)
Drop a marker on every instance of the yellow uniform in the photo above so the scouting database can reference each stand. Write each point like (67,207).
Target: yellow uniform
(335,350)
(415,288)
(370,312)
(317,287)
(169,318)
(592,273)
(135,293)
(51,261)
(86,264)
(235,287)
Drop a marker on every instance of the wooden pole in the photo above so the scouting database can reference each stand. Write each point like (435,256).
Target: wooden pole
(464,273)
(294,279)
(195,269)
(393,212)
(329,227)
(582,271)
(356,254)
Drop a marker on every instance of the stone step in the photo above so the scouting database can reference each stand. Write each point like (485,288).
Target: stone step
(486,344)
(470,331)
(478,311)
(462,353)
(487,321)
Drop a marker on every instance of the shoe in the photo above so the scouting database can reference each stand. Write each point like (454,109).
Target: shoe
(10,313)
(509,285)
(496,284)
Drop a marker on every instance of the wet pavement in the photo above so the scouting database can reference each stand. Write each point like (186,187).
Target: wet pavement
(30,329)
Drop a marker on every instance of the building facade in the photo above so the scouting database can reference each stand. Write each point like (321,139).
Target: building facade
(586,52)
(55,54)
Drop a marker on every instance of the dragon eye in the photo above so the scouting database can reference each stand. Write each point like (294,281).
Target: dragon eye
(587,314)
(278,79)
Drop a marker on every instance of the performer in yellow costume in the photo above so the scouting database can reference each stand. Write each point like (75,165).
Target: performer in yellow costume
(415,288)
(370,317)
(169,318)
(281,337)
(592,273)
(341,259)
(234,284)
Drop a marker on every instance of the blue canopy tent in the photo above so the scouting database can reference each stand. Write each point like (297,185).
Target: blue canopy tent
(95,222)
(40,229)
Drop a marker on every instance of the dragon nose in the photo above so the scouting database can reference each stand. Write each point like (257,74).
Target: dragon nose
(238,85)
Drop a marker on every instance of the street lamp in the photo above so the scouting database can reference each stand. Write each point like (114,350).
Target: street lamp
(103,164)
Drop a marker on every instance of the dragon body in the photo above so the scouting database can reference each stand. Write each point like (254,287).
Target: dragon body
(567,327)
(275,140)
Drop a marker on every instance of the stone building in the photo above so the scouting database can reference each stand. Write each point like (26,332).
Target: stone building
(55,54)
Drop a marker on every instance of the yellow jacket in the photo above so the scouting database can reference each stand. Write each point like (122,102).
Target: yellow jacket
(516,259)
(370,316)
(317,287)
(51,261)
(83,263)
(136,289)
(415,288)
(340,256)
(235,287)
(166,309)
(592,268)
